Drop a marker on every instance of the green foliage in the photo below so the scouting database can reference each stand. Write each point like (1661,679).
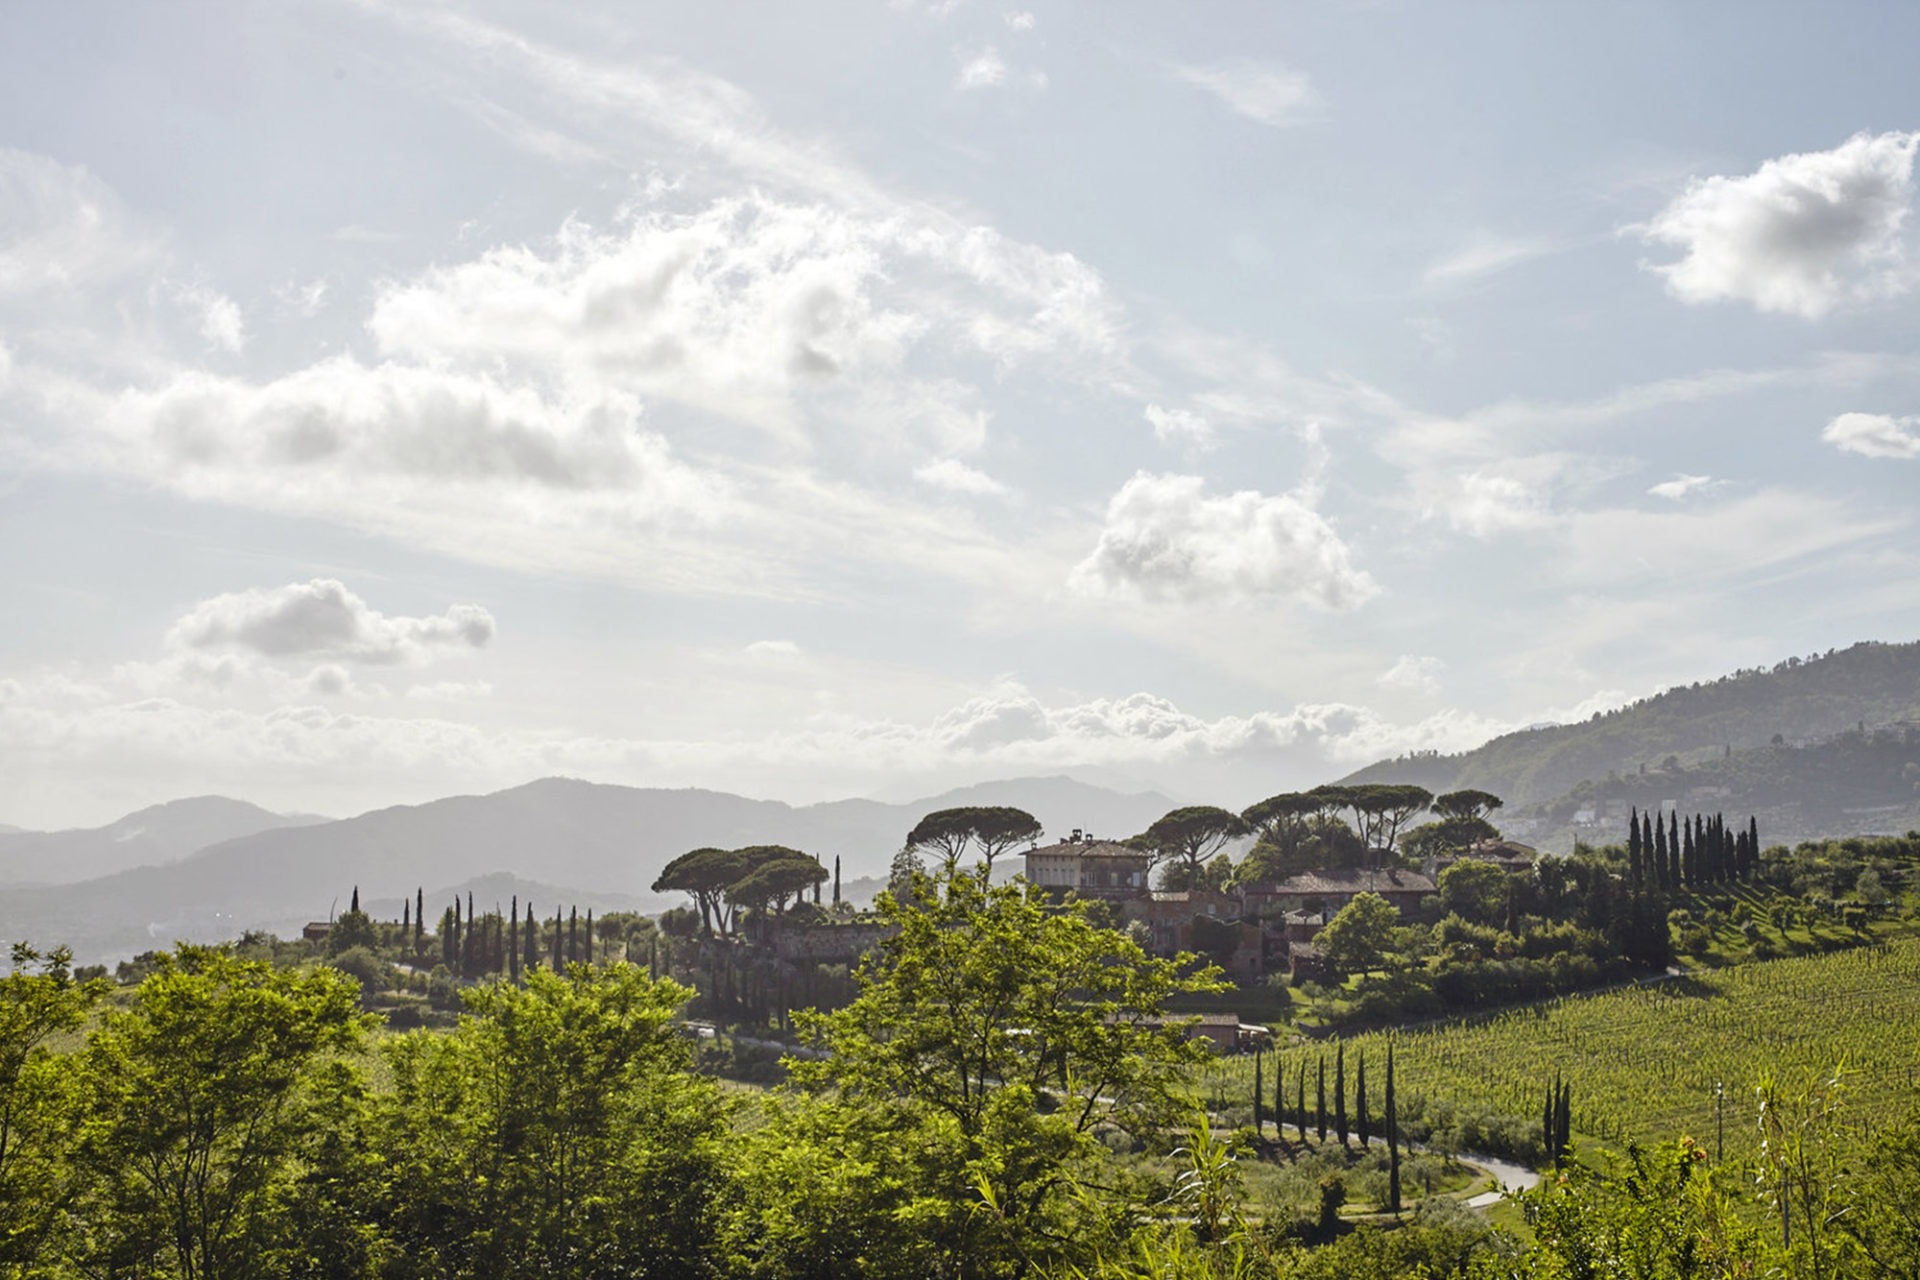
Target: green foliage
(39,1000)
(995,1035)
(201,1106)
(1359,935)
(557,1131)
(1475,890)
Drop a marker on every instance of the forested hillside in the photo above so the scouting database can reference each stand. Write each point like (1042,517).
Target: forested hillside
(1798,701)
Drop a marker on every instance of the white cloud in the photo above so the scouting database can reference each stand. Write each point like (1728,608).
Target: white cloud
(302,300)
(1417,674)
(450,691)
(1874,435)
(1768,530)
(778,652)
(984,70)
(1680,486)
(1181,427)
(1020,20)
(61,230)
(1272,95)
(1801,234)
(1484,258)
(1484,503)
(957,477)
(221,323)
(322,618)
(1167,539)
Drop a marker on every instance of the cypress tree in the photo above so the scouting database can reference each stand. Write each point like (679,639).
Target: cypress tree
(1340,1092)
(355,908)
(1547,1125)
(836,879)
(1259,1085)
(513,942)
(1673,851)
(1689,856)
(1660,856)
(532,958)
(573,934)
(419,915)
(446,938)
(1393,1139)
(1633,847)
(1320,1101)
(1563,1124)
(589,935)
(559,930)
(1300,1101)
(1360,1101)
(406,917)
(1753,845)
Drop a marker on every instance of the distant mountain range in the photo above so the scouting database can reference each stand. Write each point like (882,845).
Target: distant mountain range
(162,833)
(1815,746)
(555,839)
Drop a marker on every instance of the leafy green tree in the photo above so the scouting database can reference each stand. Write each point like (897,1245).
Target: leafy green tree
(1359,935)
(202,1108)
(992,1037)
(558,1131)
(40,1101)
(352,928)
(1474,890)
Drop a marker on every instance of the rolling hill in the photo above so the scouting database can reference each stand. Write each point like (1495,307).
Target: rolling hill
(159,834)
(609,840)
(1797,702)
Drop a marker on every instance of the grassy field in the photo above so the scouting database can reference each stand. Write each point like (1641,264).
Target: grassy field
(1644,1062)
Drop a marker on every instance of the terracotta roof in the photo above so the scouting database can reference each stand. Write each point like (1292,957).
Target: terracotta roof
(1353,880)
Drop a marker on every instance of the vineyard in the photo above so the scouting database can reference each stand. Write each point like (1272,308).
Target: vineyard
(1644,1062)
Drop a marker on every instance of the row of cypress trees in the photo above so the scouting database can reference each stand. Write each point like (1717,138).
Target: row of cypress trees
(1363,1112)
(1698,852)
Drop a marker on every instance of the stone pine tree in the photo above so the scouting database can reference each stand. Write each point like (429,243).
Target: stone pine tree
(1360,1102)
(1320,1101)
(1393,1139)
(1340,1092)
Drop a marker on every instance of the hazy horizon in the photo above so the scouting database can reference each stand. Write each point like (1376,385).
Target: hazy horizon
(401,399)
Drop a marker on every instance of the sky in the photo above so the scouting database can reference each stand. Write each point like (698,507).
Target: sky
(400,399)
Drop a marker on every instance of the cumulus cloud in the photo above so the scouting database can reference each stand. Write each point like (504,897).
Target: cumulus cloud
(322,618)
(956,476)
(1417,674)
(984,70)
(754,309)
(1874,435)
(1020,20)
(1166,538)
(1680,486)
(1271,95)
(1181,427)
(1800,235)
